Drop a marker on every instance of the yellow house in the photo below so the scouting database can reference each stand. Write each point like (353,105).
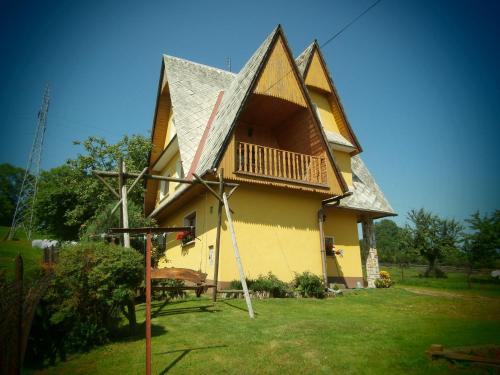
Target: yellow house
(278,129)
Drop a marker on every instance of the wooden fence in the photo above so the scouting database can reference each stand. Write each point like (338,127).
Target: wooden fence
(17,309)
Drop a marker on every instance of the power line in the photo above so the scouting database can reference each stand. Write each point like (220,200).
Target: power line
(330,39)
(351,23)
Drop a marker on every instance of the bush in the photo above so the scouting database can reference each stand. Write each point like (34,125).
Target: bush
(270,284)
(93,284)
(264,286)
(384,281)
(236,284)
(309,285)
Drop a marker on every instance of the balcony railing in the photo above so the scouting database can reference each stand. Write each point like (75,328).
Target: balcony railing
(278,164)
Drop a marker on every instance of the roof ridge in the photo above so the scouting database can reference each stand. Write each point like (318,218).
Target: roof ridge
(199,64)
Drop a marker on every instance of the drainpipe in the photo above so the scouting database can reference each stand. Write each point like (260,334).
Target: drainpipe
(321,219)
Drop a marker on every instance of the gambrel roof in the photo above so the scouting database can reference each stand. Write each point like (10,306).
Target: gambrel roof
(194,91)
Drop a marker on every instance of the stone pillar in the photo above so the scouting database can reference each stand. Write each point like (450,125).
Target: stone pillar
(372,269)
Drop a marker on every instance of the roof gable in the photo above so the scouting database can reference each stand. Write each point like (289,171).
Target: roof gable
(238,93)
(278,78)
(316,75)
(310,61)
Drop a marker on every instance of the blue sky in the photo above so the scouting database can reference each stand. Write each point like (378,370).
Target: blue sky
(419,80)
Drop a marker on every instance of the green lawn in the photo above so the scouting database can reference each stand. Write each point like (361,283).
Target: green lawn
(482,283)
(365,332)
(10,249)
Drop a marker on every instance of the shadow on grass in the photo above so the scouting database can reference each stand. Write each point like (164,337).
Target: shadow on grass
(126,334)
(162,310)
(237,307)
(183,353)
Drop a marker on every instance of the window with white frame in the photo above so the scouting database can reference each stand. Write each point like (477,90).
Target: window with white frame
(179,169)
(164,186)
(190,221)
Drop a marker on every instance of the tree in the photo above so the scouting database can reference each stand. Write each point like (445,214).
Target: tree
(11,178)
(387,235)
(482,245)
(433,238)
(69,196)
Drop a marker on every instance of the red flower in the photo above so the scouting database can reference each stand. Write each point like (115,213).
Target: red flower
(180,235)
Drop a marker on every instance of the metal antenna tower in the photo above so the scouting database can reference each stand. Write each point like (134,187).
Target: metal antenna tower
(25,207)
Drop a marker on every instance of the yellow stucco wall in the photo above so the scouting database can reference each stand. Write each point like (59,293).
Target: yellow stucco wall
(276,231)
(325,111)
(343,160)
(342,225)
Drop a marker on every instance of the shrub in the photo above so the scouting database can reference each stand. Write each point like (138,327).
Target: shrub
(384,281)
(309,285)
(236,284)
(270,284)
(93,284)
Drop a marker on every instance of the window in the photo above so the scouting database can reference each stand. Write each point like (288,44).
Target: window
(164,186)
(211,255)
(190,221)
(329,246)
(179,170)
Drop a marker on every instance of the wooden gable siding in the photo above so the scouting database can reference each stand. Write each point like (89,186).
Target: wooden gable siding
(316,75)
(299,133)
(150,195)
(319,83)
(278,77)
(161,125)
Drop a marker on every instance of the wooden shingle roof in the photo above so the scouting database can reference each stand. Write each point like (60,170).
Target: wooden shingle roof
(194,89)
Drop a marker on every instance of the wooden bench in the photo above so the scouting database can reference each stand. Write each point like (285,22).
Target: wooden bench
(183,274)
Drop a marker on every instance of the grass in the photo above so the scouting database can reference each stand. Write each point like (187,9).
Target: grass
(482,283)
(10,249)
(383,331)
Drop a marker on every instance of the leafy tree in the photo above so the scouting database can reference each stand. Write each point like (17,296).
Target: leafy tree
(11,178)
(70,196)
(387,235)
(93,285)
(482,245)
(433,238)
(103,220)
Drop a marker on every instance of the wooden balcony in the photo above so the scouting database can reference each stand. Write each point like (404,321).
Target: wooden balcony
(278,164)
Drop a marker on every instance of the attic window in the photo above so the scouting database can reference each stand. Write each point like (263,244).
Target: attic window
(164,187)
(179,170)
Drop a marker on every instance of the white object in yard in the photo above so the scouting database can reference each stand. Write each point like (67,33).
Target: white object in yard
(495,274)
(44,244)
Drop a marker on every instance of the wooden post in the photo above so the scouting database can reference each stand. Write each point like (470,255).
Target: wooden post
(321,216)
(217,238)
(148,303)
(237,256)
(120,184)
(19,318)
(123,193)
